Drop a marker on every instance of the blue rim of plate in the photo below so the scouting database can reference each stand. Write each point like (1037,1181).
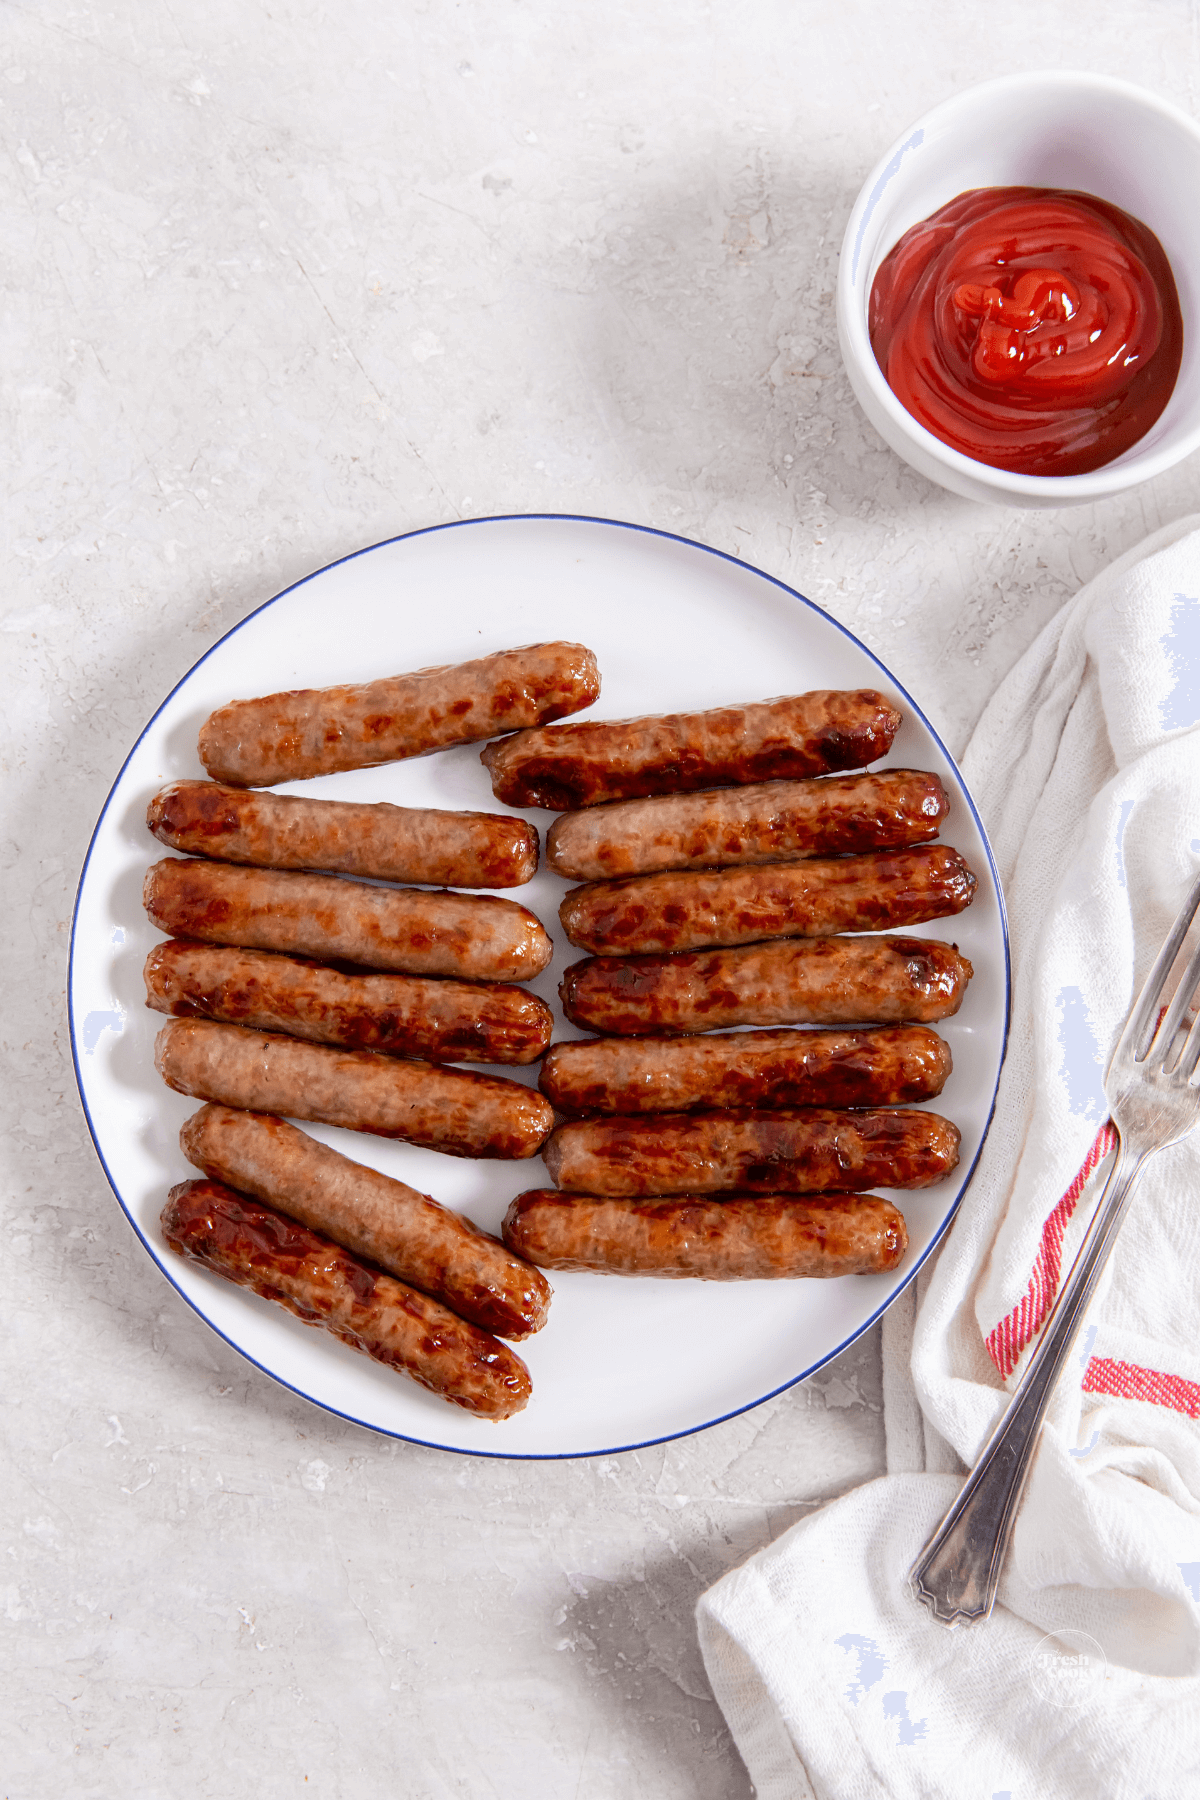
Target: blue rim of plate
(668,1436)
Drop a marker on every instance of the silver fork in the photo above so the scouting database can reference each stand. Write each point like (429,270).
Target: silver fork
(1154,1100)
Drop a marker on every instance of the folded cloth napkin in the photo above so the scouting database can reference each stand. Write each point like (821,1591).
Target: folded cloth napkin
(1086,1681)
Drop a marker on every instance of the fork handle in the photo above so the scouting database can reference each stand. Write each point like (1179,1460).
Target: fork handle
(958,1572)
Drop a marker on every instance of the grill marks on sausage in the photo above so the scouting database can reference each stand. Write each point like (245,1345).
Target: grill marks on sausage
(255,1246)
(405,1232)
(452,1110)
(584,764)
(815,981)
(766,822)
(746,1070)
(380,841)
(400,1015)
(771,1238)
(316,731)
(801,1150)
(693,910)
(472,936)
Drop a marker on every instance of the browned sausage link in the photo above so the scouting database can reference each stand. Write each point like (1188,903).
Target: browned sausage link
(387,843)
(443,1109)
(247,1242)
(473,936)
(770,821)
(701,909)
(581,765)
(765,1239)
(315,731)
(819,981)
(753,1069)
(403,1015)
(805,1151)
(405,1232)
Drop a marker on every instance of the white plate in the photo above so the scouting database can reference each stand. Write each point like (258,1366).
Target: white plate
(621,1363)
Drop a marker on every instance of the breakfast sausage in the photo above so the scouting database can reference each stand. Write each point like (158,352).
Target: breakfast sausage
(700,909)
(322,1284)
(403,1015)
(802,1151)
(451,1110)
(388,843)
(770,821)
(473,936)
(370,1214)
(772,1238)
(580,765)
(818,981)
(746,1069)
(315,731)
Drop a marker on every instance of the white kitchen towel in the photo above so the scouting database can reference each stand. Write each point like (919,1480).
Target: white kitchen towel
(1085,1683)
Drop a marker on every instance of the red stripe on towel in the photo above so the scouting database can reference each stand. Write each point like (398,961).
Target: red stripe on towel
(1128,1382)
(1006,1342)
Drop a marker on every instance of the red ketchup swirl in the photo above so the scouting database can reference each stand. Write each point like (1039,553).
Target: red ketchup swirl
(1030,328)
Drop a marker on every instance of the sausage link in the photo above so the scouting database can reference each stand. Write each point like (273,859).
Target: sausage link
(315,731)
(801,1151)
(473,936)
(772,1238)
(581,765)
(770,821)
(746,1069)
(322,1284)
(818,981)
(701,909)
(388,1223)
(451,1110)
(403,1015)
(381,841)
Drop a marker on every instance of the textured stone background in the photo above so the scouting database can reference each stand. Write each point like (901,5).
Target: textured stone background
(281,280)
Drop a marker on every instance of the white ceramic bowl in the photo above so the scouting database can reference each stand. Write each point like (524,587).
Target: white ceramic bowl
(1048,129)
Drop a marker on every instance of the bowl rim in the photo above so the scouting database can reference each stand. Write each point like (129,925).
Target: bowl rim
(1133,467)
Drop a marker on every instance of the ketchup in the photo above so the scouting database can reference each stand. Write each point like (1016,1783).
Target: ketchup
(1032,329)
